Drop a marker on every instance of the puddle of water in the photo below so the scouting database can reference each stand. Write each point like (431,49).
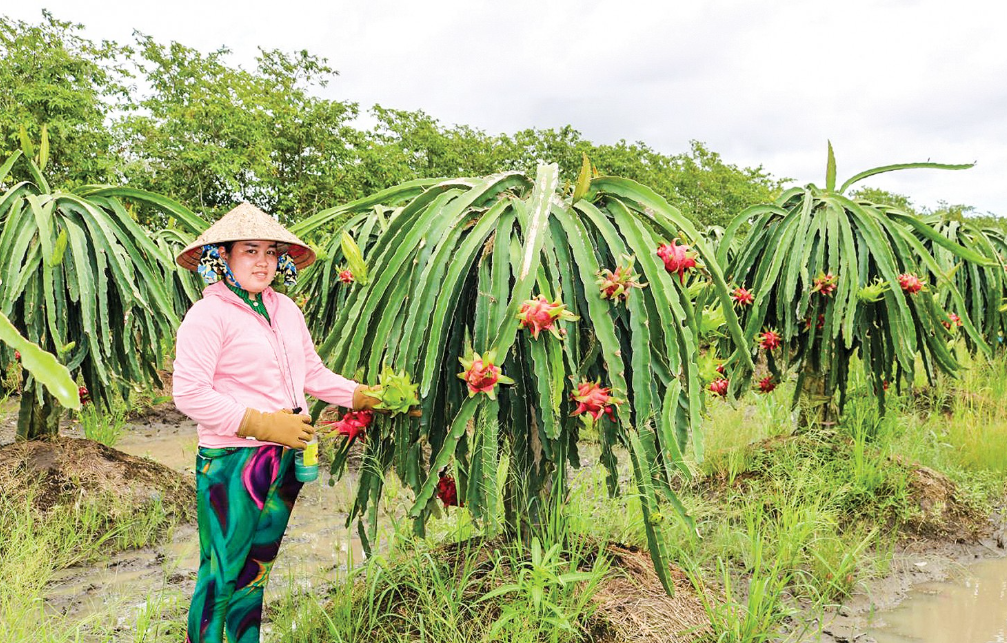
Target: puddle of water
(969,609)
(317,547)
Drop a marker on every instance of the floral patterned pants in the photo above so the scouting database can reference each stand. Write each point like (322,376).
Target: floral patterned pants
(244,496)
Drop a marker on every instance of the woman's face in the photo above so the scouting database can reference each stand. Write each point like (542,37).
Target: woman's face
(252,262)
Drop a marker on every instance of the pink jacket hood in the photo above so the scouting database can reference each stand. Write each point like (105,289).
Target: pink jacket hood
(228,358)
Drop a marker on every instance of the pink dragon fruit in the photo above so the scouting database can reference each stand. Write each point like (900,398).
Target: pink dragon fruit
(352,424)
(955,320)
(825,284)
(769,340)
(719,387)
(481,375)
(594,399)
(676,258)
(617,285)
(539,314)
(766,384)
(910,283)
(819,324)
(742,297)
(346,276)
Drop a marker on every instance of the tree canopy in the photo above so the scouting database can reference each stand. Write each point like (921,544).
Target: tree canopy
(194,127)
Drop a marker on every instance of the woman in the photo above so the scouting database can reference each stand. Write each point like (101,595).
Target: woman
(243,362)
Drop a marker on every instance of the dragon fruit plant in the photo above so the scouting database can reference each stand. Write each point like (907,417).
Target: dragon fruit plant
(86,284)
(837,277)
(469,271)
(983,287)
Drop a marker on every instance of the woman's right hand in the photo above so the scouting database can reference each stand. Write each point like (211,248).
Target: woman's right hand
(281,427)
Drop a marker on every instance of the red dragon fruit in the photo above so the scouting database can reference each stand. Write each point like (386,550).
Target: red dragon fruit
(769,340)
(17,355)
(481,375)
(352,424)
(825,284)
(346,276)
(742,297)
(719,386)
(766,384)
(594,399)
(954,320)
(447,491)
(617,285)
(820,324)
(676,258)
(910,283)
(84,395)
(539,314)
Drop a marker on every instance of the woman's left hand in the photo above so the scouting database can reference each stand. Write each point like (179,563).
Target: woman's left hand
(362,398)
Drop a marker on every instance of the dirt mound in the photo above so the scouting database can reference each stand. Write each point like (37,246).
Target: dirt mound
(634,608)
(943,513)
(71,471)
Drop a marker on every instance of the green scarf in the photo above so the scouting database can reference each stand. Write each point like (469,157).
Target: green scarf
(257,305)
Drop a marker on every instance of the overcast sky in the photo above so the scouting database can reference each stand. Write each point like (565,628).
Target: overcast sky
(759,82)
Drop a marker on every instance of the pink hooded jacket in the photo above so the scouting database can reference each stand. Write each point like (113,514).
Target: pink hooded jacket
(229,358)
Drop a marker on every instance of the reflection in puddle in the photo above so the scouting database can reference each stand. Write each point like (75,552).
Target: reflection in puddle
(969,609)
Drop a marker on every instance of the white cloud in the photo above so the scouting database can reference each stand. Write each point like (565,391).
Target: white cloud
(761,82)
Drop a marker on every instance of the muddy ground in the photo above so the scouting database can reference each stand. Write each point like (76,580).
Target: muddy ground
(319,548)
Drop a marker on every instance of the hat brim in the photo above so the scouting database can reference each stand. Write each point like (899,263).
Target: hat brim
(302,256)
(246,223)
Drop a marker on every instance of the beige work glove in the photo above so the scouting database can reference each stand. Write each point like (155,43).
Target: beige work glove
(281,427)
(362,400)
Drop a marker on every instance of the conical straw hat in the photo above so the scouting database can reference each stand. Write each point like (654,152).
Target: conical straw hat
(246,223)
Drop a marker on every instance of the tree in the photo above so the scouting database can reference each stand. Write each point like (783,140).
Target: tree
(457,270)
(55,78)
(211,135)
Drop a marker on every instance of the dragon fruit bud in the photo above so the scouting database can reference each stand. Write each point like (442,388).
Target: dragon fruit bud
(481,375)
(346,276)
(766,384)
(676,258)
(594,399)
(617,285)
(769,340)
(719,386)
(825,284)
(910,283)
(873,292)
(539,314)
(17,355)
(742,297)
(720,369)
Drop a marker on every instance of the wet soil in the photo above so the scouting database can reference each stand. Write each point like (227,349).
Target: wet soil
(158,452)
(916,563)
(155,459)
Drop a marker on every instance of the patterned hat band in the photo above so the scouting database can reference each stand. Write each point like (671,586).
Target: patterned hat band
(212,267)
